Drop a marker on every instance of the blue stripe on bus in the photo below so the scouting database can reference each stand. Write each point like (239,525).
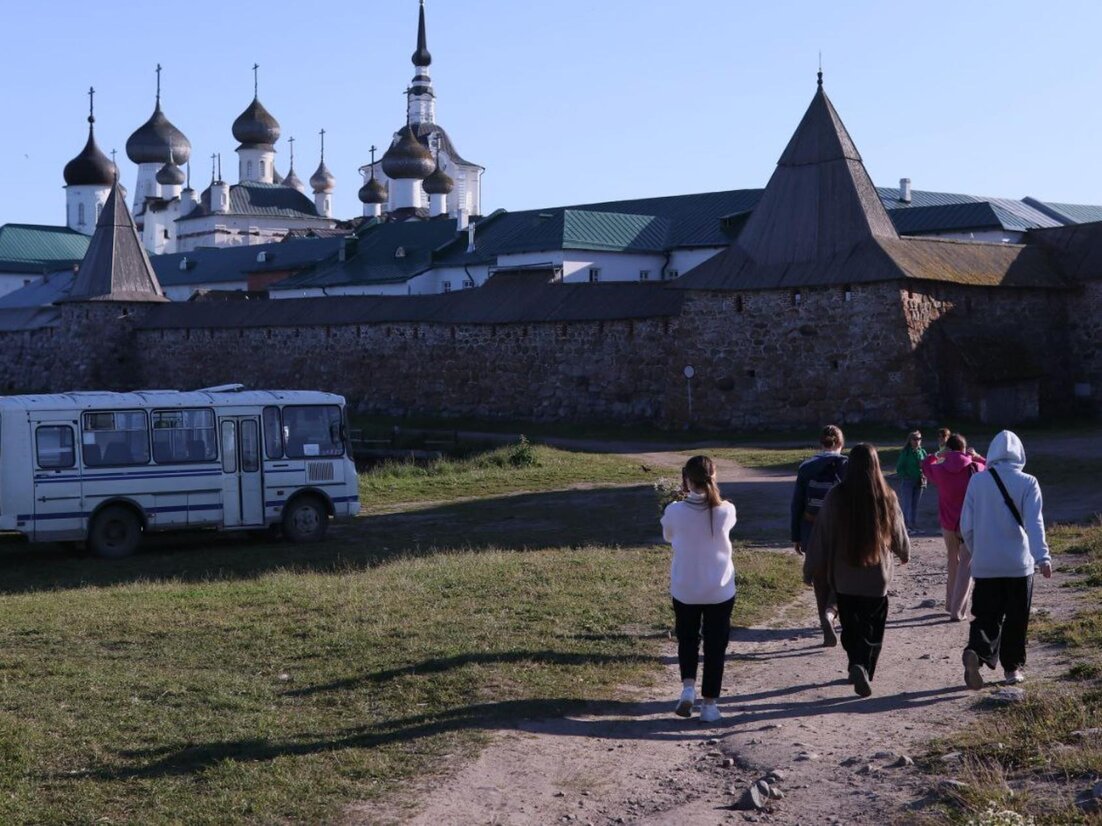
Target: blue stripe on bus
(23,517)
(110,477)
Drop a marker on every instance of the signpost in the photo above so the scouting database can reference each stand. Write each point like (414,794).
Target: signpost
(689,373)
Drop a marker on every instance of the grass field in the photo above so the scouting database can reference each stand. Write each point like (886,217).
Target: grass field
(218,679)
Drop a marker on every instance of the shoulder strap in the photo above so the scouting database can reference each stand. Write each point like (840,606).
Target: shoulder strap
(1006,497)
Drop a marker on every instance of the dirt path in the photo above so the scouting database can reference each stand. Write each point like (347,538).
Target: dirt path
(786,707)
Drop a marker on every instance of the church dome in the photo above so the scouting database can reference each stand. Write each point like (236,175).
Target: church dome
(256,126)
(373,192)
(292,181)
(439,182)
(408,157)
(155,139)
(91,167)
(170,175)
(322,180)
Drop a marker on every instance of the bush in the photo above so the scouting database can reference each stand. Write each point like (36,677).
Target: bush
(523,454)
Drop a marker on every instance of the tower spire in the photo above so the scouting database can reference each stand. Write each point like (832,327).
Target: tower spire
(256,80)
(158,84)
(322,133)
(291,143)
(421,57)
(91,106)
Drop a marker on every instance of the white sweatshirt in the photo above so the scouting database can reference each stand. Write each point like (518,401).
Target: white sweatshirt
(701,572)
(1000,548)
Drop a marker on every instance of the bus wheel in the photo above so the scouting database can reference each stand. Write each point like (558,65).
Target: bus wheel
(115,533)
(305,520)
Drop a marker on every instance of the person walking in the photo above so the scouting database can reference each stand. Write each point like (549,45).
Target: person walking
(814,479)
(859,529)
(951,473)
(1003,526)
(702,583)
(911,481)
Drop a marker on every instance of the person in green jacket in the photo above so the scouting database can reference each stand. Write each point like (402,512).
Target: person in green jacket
(911,481)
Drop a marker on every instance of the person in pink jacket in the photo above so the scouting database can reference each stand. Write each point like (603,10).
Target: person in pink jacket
(951,472)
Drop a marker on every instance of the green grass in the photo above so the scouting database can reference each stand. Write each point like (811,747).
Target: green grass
(283,697)
(493,474)
(1031,745)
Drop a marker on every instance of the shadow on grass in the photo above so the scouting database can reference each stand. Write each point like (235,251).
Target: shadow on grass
(623,516)
(438,665)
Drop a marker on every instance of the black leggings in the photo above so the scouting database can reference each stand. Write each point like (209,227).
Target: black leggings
(715,623)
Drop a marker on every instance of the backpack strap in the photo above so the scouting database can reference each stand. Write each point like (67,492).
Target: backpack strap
(1006,498)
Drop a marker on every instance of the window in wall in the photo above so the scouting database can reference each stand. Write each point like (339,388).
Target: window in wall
(738,303)
(273,433)
(468,283)
(248,170)
(644,275)
(446,286)
(114,438)
(847,293)
(54,446)
(672,274)
(594,275)
(80,214)
(262,169)
(797,298)
(184,436)
(314,430)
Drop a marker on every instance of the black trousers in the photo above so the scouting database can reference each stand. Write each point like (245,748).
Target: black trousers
(713,622)
(1000,611)
(863,620)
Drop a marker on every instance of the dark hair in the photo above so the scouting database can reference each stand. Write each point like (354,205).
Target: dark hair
(866,508)
(943,432)
(832,437)
(956,442)
(700,472)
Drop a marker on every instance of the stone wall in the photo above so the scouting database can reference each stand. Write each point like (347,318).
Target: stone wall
(1085,328)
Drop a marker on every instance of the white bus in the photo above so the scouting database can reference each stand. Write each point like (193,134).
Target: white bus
(107,467)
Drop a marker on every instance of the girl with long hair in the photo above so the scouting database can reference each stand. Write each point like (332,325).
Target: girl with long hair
(859,529)
(702,582)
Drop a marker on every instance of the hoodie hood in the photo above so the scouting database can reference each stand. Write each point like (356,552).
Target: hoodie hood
(955,461)
(1006,448)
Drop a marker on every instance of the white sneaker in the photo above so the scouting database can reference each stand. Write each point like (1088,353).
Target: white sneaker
(709,713)
(685,704)
(1014,677)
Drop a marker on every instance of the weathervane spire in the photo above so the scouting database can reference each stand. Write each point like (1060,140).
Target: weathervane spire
(256,80)
(91,104)
(820,67)
(158,84)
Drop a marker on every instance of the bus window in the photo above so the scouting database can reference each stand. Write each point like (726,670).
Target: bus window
(313,431)
(184,436)
(115,437)
(273,433)
(229,447)
(55,447)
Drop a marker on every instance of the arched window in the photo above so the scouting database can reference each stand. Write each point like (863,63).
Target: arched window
(80,214)
(262,170)
(248,170)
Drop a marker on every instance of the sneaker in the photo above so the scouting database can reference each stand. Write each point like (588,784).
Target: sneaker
(1015,676)
(709,713)
(685,704)
(972,677)
(860,679)
(830,636)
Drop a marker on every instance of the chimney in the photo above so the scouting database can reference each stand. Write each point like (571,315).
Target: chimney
(470,237)
(905,190)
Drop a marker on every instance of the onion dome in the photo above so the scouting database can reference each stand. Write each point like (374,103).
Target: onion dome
(292,181)
(170,175)
(439,182)
(374,191)
(91,167)
(276,177)
(255,126)
(155,139)
(322,180)
(421,57)
(408,157)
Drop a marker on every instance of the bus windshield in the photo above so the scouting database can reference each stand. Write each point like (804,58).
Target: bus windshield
(313,430)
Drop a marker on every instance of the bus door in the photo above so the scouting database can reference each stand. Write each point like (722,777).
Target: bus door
(58,512)
(242,485)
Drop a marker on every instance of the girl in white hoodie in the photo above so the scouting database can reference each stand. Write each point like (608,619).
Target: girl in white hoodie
(702,582)
(1002,524)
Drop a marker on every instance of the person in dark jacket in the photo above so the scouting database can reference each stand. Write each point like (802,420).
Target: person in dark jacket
(856,534)
(814,479)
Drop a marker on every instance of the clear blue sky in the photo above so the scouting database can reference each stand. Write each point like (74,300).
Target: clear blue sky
(573,100)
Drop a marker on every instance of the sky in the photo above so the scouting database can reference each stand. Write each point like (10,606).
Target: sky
(571,101)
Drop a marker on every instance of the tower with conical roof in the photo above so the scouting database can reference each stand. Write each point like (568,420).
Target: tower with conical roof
(154,143)
(256,132)
(323,183)
(88,180)
(407,198)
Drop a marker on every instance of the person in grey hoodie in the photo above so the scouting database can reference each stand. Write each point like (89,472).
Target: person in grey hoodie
(1002,524)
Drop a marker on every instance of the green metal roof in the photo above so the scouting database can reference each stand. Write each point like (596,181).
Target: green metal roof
(614,231)
(35,248)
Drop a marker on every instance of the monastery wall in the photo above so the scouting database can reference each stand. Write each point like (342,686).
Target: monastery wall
(1085,330)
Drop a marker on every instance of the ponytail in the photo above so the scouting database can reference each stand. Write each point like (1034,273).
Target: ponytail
(700,473)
